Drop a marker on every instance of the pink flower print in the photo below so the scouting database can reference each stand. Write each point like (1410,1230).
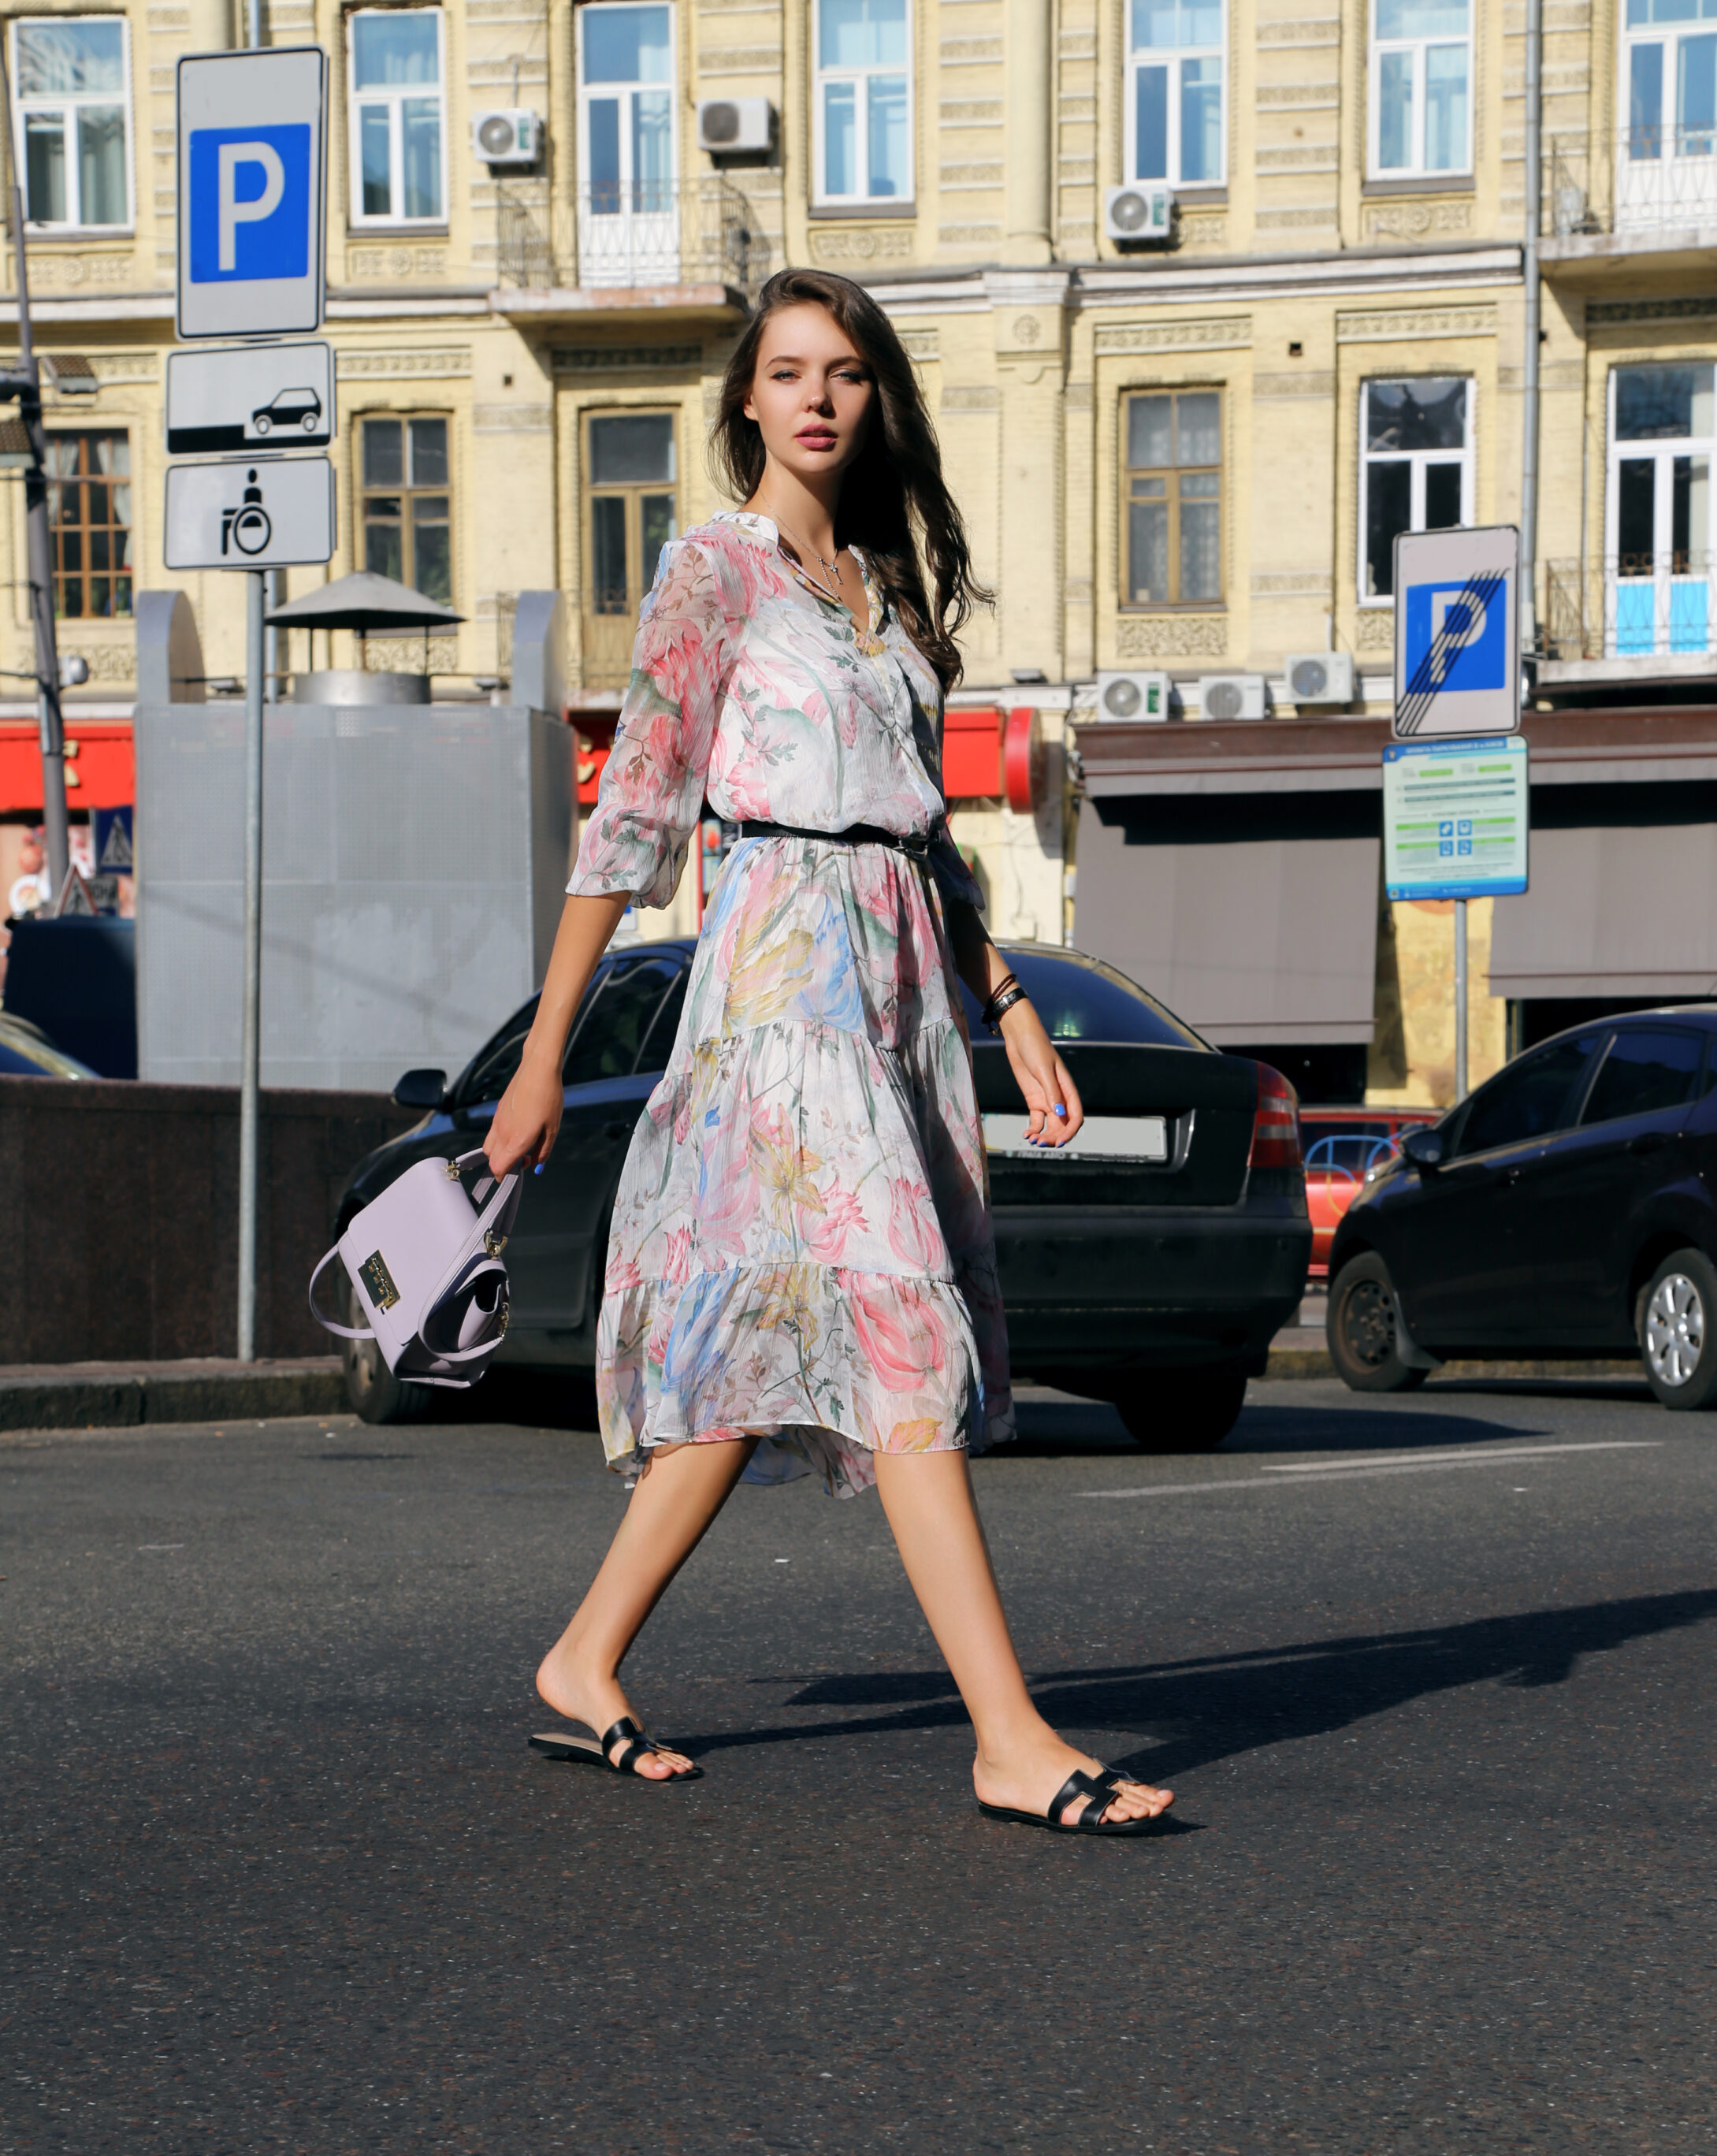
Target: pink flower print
(622,1272)
(913,1234)
(898,1331)
(825,1235)
(676,1265)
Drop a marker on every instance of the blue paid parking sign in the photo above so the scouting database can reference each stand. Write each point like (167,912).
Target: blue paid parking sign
(253,133)
(1456,632)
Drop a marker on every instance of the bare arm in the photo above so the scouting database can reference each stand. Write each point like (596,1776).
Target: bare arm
(528,1118)
(1042,1075)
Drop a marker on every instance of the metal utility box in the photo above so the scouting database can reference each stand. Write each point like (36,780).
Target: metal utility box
(414,861)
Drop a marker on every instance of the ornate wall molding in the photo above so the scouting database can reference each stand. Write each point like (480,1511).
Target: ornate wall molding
(1405,324)
(1375,630)
(432,363)
(621,358)
(377,265)
(107,662)
(1313,384)
(1198,234)
(921,344)
(1614,314)
(1417,220)
(1291,584)
(862,243)
(981,398)
(404,654)
(1171,636)
(512,418)
(1227,332)
(72,273)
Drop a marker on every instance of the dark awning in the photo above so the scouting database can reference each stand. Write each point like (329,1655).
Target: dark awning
(1254,921)
(1619,909)
(364,601)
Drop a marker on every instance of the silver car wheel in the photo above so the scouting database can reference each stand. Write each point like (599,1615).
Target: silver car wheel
(1674,1330)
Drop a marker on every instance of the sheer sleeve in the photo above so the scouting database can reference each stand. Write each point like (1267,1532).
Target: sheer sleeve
(652,788)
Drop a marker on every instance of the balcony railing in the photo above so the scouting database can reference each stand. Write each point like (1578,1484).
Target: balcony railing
(1631,606)
(651,231)
(1640,179)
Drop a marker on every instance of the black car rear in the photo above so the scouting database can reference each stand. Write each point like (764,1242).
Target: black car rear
(1565,1209)
(1148,1265)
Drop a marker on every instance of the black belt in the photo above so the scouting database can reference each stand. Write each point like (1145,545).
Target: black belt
(855,834)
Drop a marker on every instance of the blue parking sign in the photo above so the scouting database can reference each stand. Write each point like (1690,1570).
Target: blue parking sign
(252,137)
(250,201)
(1457,633)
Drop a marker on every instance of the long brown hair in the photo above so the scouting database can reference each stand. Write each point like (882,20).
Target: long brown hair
(895,502)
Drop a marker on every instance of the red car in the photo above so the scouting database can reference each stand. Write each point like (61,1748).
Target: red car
(1341,1146)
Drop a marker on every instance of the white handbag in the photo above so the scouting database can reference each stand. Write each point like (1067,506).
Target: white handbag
(427,1263)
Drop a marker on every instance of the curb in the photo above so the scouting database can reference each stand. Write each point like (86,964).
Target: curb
(122,1400)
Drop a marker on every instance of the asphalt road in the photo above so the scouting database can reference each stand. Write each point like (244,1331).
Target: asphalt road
(280,1874)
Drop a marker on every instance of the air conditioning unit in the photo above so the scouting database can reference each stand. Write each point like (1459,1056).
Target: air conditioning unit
(1231,696)
(727,124)
(1321,677)
(1133,697)
(1144,210)
(513,137)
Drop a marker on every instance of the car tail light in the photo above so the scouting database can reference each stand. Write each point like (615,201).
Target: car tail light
(1275,1127)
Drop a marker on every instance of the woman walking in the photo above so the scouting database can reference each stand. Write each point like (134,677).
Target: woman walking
(801,1271)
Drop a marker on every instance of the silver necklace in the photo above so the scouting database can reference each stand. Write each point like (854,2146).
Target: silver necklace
(829,590)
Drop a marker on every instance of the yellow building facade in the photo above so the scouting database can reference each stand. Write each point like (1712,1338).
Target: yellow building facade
(1184,445)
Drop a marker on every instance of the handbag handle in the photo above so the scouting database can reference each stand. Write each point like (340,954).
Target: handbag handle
(344,1332)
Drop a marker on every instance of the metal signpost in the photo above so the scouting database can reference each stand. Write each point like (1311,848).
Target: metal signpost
(252,244)
(1455,778)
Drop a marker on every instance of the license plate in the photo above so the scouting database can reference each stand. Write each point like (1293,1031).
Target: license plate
(1101,1137)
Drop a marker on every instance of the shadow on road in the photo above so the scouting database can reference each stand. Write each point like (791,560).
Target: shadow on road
(1222,1706)
(1059,1428)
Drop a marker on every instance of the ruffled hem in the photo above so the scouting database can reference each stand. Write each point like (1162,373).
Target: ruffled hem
(825,1365)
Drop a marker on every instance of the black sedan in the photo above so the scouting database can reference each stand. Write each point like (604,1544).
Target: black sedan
(1148,1265)
(1564,1208)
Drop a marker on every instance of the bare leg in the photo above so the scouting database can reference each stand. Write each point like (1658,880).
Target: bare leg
(683,1488)
(1020,1762)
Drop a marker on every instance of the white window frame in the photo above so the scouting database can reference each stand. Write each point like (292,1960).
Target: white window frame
(393,98)
(69,107)
(591,92)
(1140,56)
(1418,460)
(1416,168)
(821,77)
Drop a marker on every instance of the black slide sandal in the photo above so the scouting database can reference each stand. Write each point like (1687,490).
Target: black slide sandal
(593,1752)
(1099,1790)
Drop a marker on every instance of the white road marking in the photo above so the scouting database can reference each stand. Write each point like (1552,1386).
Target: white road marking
(1339,1471)
(1454,1456)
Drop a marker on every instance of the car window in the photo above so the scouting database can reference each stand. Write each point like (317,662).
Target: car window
(613,1030)
(1089,1001)
(659,1045)
(1647,1068)
(1530,1099)
(492,1072)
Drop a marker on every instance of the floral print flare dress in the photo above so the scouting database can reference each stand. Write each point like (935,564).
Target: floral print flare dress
(800,1245)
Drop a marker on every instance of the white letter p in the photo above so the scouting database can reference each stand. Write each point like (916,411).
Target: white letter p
(234,213)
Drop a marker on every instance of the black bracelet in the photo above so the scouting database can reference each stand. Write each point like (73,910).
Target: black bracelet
(1001,1004)
(1007,981)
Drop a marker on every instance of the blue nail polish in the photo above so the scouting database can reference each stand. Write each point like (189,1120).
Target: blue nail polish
(539,1167)
(1061,1111)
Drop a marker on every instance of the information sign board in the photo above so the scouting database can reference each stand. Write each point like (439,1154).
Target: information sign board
(1456,632)
(252,138)
(1454,817)
(241,396)
(267,513)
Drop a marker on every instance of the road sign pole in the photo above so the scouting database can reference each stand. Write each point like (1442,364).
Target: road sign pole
(1460,990)
(250,1048)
